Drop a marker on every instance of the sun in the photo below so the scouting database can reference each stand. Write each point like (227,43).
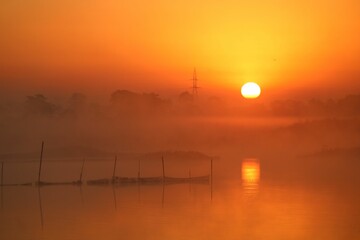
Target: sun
(250,90)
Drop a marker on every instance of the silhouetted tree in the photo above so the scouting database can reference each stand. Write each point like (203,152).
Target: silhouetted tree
(187,105)
(76,103)
(316,107)
(331,106)
(288,108)
(128,102)
(350,105)
(123,97)
(38,104)
(185,97)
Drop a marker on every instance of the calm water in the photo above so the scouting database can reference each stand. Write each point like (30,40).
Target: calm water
(258,203)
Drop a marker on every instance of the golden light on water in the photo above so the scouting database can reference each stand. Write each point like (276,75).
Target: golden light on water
(250,175)
(250,90)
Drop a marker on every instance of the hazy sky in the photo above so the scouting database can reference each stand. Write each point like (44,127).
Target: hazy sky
(94,46)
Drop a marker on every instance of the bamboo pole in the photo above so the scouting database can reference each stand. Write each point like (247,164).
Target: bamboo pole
(211,170)
(163,167)
(2,173)
(41,158)
(139,169)
(114,170)
(82,170)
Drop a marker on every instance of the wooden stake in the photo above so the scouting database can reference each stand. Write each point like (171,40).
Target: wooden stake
(41,158)
(114,167)
(82,170)
(139,169)
(2,173)
(163,167)
(211,169)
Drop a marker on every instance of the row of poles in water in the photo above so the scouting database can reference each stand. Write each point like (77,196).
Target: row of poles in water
(83,163)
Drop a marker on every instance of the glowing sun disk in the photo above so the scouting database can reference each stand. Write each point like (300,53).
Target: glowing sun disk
(250,90)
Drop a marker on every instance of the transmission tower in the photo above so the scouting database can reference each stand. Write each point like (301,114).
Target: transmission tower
(195,86)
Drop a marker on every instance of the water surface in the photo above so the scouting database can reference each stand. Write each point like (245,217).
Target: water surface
(258,203)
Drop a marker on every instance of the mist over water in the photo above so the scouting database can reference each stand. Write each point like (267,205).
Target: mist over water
(142,122)
(281,170)
(286,135)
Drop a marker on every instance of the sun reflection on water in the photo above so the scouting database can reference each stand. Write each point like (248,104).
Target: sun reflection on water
(250,175)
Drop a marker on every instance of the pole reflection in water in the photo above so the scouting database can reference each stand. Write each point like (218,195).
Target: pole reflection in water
(250,176)
(41,209)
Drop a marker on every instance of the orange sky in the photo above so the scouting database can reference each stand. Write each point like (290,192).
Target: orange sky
(143,45)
